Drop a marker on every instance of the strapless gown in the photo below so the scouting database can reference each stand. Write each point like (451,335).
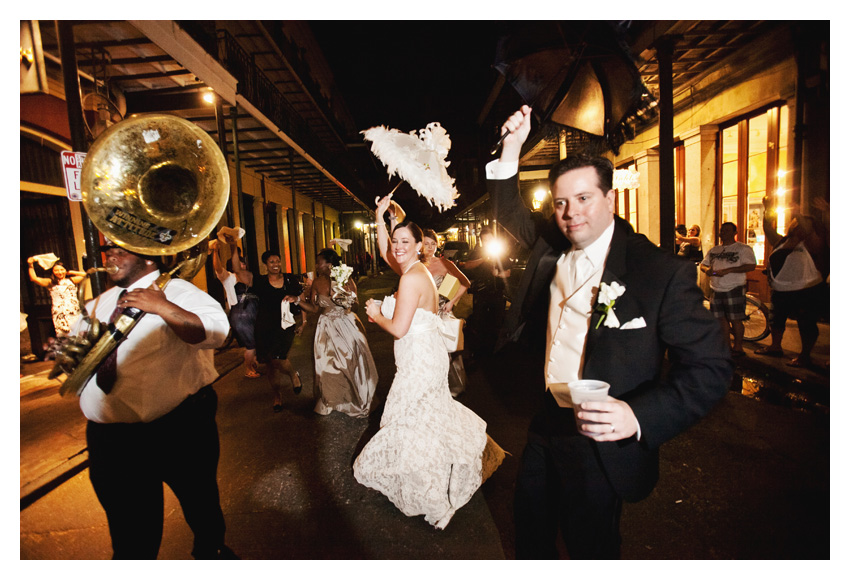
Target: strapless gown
(345,370)
(431,453)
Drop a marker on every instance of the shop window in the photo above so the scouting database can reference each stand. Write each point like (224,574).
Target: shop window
(753,154)
(625,202)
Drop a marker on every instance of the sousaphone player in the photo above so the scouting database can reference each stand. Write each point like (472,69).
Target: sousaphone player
(150,403)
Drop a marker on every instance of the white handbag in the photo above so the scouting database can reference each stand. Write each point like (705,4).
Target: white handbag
(451,330)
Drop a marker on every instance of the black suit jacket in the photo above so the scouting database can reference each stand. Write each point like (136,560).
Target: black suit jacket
(671,372)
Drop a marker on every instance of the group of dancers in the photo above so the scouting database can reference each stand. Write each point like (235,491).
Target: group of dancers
(431,453)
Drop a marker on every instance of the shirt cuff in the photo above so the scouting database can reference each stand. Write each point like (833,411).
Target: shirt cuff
(501,170)
(638,429)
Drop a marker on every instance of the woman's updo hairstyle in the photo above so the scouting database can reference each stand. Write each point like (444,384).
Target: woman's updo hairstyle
(414,229)
(330,256)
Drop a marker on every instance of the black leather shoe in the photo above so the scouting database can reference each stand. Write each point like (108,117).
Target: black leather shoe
(277,408)
(297,389)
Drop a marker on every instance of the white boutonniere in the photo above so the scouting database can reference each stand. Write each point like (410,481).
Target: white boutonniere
(607,297)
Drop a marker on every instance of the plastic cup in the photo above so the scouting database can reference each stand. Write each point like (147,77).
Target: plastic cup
(310,275)
(585,391)
(378,302)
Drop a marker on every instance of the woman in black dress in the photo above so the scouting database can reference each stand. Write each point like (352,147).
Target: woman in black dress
(274,341)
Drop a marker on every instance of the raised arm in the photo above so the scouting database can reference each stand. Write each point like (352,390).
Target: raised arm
(40,281)
(220,272)
(769,223)
(384,235)
(503,183)
(76,276)
(242,275)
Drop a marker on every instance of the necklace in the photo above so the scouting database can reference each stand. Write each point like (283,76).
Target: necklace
(409,266)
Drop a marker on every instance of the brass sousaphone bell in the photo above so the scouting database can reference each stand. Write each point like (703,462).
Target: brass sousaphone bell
(156,185)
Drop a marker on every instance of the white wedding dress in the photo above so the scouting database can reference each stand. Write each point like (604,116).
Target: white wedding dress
(431,453)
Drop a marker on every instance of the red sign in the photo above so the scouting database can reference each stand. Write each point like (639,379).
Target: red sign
(72,165)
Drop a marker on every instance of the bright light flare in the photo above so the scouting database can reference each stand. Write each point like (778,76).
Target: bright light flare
(495,248)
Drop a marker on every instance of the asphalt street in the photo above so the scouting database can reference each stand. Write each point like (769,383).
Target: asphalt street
(750,481)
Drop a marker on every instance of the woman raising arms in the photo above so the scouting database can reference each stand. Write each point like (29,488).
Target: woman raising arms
(62,286)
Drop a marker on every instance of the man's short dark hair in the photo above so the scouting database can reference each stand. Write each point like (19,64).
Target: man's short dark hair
(604,169)
(734,227)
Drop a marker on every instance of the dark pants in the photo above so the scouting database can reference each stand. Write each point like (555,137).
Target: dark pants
(488,313)
(806,306)
(129,462)
(561,486)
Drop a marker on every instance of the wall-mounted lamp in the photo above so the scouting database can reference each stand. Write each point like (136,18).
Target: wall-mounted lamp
(538,198)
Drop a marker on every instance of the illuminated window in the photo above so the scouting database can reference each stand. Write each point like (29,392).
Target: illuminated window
(754,153)
(625,203)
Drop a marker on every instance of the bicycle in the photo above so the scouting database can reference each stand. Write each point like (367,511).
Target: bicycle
(757,320)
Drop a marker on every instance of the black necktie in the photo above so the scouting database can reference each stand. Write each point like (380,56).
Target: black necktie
(107,372)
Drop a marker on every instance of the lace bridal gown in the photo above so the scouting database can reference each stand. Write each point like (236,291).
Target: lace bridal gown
(431,453)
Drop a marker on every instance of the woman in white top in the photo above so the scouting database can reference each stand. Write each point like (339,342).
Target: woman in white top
(62,286)
(797,285)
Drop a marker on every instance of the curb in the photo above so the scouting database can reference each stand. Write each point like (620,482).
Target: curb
(79,462)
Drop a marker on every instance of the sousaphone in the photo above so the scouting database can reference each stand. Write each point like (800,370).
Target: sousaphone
(156,185)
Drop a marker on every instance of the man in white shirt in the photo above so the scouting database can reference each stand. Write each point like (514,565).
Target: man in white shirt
(575,481)
(727,265)
(151,411)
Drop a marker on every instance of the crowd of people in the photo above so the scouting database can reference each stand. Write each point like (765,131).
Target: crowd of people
(151,405)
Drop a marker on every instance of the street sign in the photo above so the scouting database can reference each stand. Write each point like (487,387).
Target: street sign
(72,165)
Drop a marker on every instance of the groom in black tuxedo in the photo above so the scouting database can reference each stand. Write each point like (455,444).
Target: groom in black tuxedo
(571,479)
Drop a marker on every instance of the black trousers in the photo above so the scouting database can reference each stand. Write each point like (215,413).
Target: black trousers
(561,486)
(129,462)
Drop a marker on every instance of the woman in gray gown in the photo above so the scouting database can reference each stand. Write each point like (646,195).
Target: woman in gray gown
(345,370)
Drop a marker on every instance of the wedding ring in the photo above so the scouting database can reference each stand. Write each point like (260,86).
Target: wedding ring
(613,428)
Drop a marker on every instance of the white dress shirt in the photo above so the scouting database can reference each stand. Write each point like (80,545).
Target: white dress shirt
(156,370)
(570,309)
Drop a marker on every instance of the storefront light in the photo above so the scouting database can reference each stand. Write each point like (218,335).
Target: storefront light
(539,196)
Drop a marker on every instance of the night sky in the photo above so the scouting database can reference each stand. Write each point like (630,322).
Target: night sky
(406,74)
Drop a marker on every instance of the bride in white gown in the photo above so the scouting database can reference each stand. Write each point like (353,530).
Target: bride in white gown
(431,453)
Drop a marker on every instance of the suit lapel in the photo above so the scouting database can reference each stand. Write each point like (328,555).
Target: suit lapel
(615,270)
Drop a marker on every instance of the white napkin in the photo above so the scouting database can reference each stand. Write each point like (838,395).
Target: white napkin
(229,284)
(46,261)
(286,318)
(342,243)
(634,323)
(235,233)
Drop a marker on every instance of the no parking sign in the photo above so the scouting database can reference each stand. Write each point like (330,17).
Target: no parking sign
(72,165)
